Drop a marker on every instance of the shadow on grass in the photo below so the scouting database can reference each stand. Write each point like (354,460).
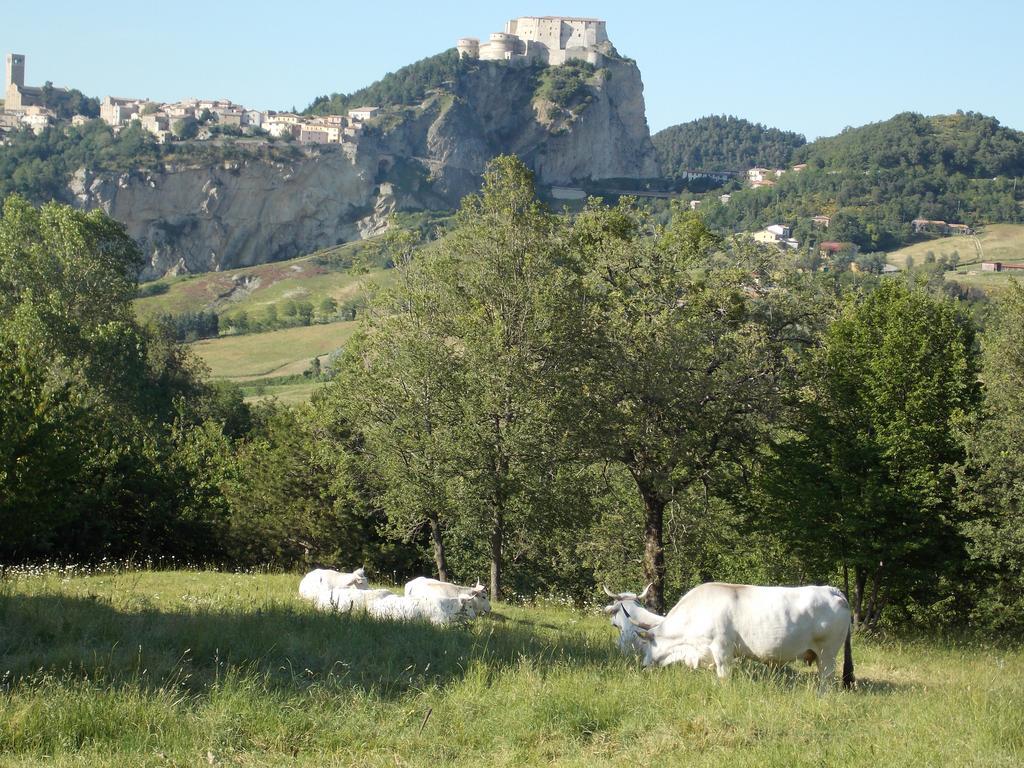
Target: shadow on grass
(797,676)
(282,646)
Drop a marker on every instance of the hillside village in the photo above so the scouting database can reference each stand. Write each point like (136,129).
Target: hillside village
(169,121)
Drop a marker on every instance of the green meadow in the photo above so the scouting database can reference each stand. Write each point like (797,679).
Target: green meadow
(312,278)
(147,668)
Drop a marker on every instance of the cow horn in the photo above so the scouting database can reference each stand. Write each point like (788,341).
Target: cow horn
(647,589)
(609,592)
(631,619)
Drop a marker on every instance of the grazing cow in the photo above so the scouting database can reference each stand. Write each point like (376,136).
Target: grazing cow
(627,624)
(714,623)
(436,610)
(320,579)
(421,586)
(348,599)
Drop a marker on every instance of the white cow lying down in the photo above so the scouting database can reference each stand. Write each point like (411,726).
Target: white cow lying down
(436,610)
(347,599)
(638,617)
(714,623)
(316,581)
(422,586)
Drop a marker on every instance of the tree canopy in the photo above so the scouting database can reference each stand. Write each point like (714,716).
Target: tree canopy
(723,143)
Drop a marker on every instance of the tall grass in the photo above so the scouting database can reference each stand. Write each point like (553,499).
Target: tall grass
(184,668)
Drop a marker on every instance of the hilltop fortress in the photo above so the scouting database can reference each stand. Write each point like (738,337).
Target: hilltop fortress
(550,40)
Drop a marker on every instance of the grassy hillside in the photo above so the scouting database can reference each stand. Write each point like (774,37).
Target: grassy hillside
(275,353)
(194,668)
(310,278)
(994,242)
(260,360)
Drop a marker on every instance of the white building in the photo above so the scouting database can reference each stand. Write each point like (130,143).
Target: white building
(363,113)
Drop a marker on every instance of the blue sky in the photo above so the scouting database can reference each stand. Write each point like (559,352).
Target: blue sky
(812,67)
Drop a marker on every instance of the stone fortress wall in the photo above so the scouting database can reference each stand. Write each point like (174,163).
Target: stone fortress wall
(552,40)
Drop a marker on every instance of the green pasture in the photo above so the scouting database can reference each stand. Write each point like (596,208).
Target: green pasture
(993,242)
(309,278)
(286,352)
(200,668)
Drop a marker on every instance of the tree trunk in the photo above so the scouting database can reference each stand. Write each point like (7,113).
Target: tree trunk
(654,550)
(874,611)
(440,560)
(860,579)
(497,535)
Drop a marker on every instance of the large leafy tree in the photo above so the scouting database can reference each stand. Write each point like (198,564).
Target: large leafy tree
(991,484)
(465,382)
(864,487)
(90,399)
(400,383)
(687,360)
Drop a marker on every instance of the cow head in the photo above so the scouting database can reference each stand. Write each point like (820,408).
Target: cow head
(479,596)
(619,617)
(360,582)
(660,650)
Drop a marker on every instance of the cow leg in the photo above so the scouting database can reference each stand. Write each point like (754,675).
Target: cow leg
(722,659)
(826,668)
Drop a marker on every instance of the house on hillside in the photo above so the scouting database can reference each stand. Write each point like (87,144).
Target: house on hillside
(363,113)
(832,248)
(938,227)
(776,234)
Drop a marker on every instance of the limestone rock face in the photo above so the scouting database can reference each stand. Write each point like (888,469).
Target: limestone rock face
(197,219)
(233,213)
(493,110)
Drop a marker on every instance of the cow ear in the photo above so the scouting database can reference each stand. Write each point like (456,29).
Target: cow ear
(610,609)
(643,634)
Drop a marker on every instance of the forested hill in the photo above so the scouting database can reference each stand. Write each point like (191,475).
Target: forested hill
(723,143)
(874,180)
(971,144)
(408,85)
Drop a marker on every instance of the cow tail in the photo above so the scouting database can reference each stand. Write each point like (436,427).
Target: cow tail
(848,678)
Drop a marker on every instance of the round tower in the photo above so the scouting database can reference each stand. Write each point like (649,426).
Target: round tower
(501,46)
(468,48)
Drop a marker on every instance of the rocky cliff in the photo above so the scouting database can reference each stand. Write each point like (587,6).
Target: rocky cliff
(199,217)
(237,213)
(495,109)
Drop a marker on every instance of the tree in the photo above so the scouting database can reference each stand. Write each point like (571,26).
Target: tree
(520,313)
(687,361)
(328,307)
(864,482)
(185,128)
(89,396)
(399,382)
(463,380)
(990,488)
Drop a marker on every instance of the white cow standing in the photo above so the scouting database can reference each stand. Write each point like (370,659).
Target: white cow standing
(714,623)
(638,617)
(324,580)
(422,586)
